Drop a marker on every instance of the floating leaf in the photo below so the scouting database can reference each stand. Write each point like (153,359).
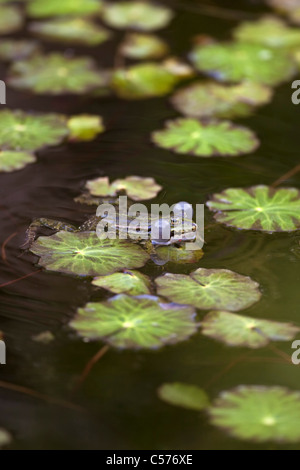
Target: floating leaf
(178,255)
(14,49)
(128,282)
(136,188)
(11,19)
(5,437)
(71,30)
(239,61)
(238,330)
(136,15)
(143,46)
(210,289)
(85,127)
(23,131)
(258,413)
(55,74)
(258,208)
(11,160)
(289,7)
(83,253)
(42,9)
(135,322)
(184,395)
(205,138)
(211,99)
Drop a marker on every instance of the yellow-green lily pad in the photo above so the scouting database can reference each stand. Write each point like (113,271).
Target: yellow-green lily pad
(184,395)
(11,19)
(42,9)
(136,187)
(178,255)
(143,46)
(11,160)
(85,127)
(17,49)
(128,282)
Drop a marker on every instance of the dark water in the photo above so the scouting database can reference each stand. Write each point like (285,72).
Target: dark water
(120,409)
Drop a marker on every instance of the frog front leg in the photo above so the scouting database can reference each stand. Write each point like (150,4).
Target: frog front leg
(34,227)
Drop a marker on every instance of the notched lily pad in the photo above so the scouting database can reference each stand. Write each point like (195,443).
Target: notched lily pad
(258,413)
(24,131)
(137,188)
(11,19)
(128,282)
(55,74)
(84,254)
(85,127)
(42,9)
(137,15)
(238,330)
(184,395)
(135,322)
(208,289)
(17,49)
(11,160)
(71,30)
(258,208)
(206,138)
(143,46)
(237,61)
(211,99)
(178,255)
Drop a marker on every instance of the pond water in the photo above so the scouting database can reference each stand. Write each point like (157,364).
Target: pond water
(119,407)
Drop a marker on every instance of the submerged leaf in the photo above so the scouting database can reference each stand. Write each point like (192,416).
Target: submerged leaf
(209,289)
(11,19)
(211,99)
(135,322)
(239,61)
(184,395)
(137,188)
(11,160)
(143,46)
(238,330)
(178,255)
(45,337)
(85,127)
(23,131)
(136,15)
(258,208)
(42,8)
(5,437)
(56,74)
(206,138)
(84,254)
(258,413)
(17,49)
(128,282)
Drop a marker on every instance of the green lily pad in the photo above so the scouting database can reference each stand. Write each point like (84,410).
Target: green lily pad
(5,437)
(23,131)
(184,395)
(238,330)
(71,30)
(211,99)
(143,46)
(258,413)
(206,138)
(208,289)
(14,49)
(11,160)
(11,19)
(42,9)
(137,188)
(56,74)
(258,208)
(239,61)
(178,255)
(291,8)
(84,254)
(135,322)
(85,127)
(136,15)
(269,31)
(128,282)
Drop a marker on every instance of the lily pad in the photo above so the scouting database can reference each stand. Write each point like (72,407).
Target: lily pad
(258,413)
(42,9)
(289,7)
(206,138)
(71,30)
(137,188)
(11,19)
(84,254)
(85,127)
(5,437)
(11,160)
(184,395)
(55,74)
(208,289)
(143,46)
(258,208)
(239,61)
(142,16)
(178,255)
(24,131)
(14,49)
(238,330)
(135,322)
(211,99)
(128,282)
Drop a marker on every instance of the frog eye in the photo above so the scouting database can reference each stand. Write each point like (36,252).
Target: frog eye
(161,230)
(183,207)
